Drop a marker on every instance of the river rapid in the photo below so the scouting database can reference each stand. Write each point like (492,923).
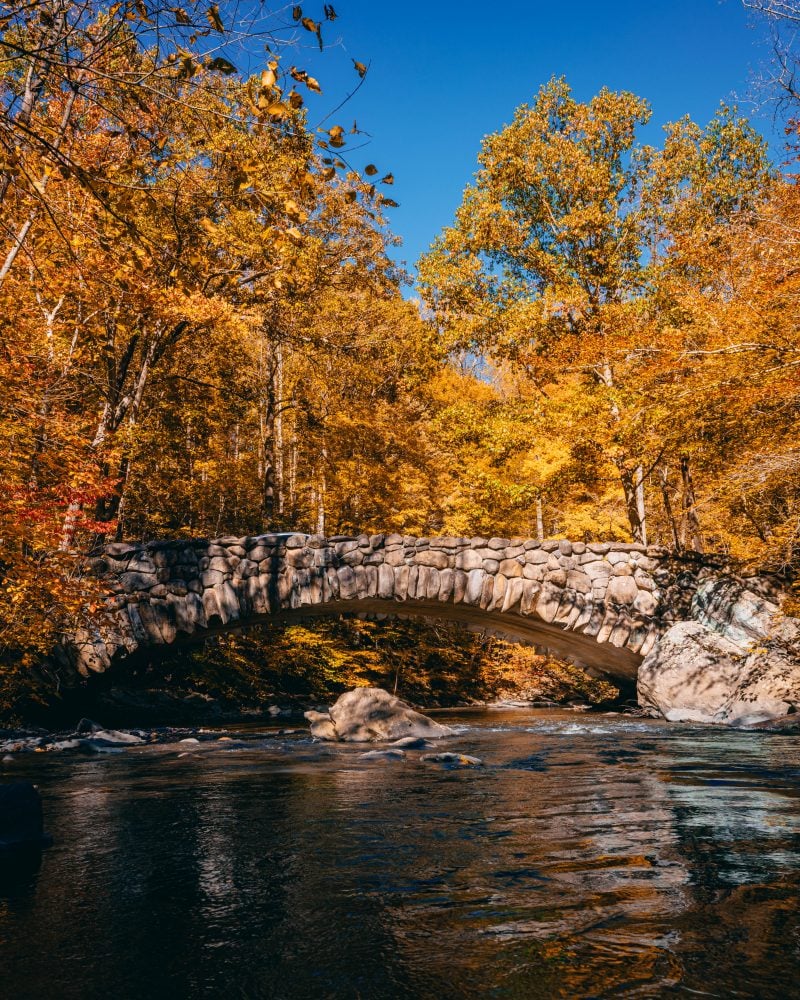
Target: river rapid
(591,856)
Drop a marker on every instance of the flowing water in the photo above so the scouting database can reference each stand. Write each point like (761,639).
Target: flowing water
(592,856)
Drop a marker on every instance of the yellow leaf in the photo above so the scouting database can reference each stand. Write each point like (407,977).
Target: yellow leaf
(360,68)
(291,208)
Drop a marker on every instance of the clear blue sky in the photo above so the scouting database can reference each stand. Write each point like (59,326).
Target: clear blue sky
(442,75)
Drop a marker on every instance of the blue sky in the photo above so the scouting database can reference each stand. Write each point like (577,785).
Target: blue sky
(442,75)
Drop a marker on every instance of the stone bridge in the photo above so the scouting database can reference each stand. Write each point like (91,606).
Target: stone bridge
(603,605)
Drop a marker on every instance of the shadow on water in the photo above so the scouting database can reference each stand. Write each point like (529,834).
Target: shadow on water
(19,870)
(590,857)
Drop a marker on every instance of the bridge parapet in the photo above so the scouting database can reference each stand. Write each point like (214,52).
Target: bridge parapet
(601,604)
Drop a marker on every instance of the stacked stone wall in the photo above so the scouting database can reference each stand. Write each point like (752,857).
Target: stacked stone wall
(610,593)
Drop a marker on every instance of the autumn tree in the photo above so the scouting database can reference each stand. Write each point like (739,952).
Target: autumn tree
(552,261)
(146,192)
(62,60)
(723,364)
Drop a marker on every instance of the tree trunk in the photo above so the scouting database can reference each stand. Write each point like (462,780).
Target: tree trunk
(293,472)
(663,476)
(108,507)
(268,467)
(278,446)
(691,523)
(322,487)
(641,513)
(124,396)
(631,484)
(539,520)
(70,527)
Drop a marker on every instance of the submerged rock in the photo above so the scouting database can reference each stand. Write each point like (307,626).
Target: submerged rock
(386,755)
(411,743)
(368,714)
(69,744)
(99,746)
(455,759)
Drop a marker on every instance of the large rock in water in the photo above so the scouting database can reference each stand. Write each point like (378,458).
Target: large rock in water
(368,714)
(738,662)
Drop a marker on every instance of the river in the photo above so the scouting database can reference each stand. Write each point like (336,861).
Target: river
(591,856)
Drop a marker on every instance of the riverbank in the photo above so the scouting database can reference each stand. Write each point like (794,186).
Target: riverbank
(248,725)
(251,728)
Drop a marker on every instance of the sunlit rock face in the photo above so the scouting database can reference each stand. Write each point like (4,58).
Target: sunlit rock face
(369,714)
(601,605)
(736,662)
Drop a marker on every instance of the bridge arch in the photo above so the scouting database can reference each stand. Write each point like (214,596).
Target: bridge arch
(603,605)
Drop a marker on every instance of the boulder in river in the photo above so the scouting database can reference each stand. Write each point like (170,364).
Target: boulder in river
(368,714)
(114,736)
(743,671)
(321,725)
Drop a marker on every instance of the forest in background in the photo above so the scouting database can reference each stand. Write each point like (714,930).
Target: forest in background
(203,330)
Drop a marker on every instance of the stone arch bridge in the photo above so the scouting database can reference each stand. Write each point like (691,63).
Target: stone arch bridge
(603,605)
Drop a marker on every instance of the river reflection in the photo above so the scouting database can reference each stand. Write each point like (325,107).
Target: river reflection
(592,856)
